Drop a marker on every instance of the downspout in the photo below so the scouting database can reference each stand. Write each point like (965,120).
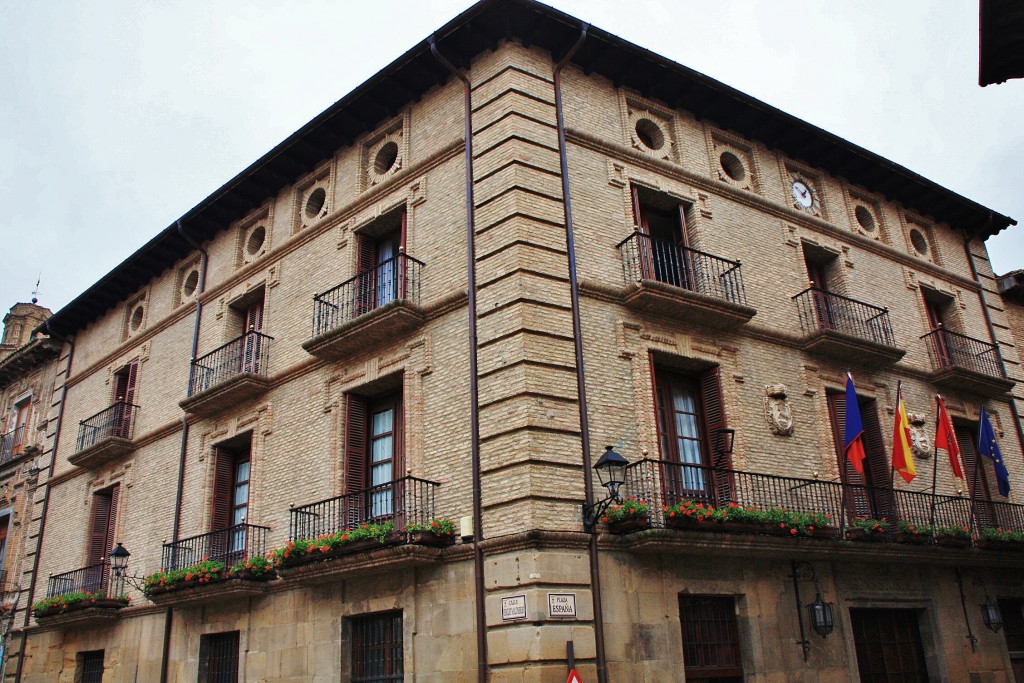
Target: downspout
(992,329)
(201,287)
(577,336)
(46,500)
(474,397)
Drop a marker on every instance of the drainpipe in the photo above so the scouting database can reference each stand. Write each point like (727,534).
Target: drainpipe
(577,336)
(200,288)
(46,499)
(992,329)
(474,397)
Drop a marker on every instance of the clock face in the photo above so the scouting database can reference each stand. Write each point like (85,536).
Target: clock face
(803,196)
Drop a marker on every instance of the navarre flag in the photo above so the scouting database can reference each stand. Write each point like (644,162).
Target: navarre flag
(945,438)
(902,460)
(988,447)
(853,441)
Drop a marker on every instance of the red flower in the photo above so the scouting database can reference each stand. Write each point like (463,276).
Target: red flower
(792,532)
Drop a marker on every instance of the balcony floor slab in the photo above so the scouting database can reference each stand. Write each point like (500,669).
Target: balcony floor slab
(231,392)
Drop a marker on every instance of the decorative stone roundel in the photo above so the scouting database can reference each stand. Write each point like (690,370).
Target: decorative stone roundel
(865,218)
(919,241)
(648,134)
(189,284)
(316,205)
(384,158)
(255,241)
(732,166)
(137,317)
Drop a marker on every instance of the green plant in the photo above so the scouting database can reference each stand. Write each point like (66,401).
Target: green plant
(1000,534)
(798,523)
(72,599)
(913,529)
(202,572)
(442,526)
(327,542)
(255,566)
(630,508)
(870,526)
(953,531)
(691,509)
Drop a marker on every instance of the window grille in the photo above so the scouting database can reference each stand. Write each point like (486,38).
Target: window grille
(377,648)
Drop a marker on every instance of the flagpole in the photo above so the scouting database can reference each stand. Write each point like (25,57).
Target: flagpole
(935,467)
(893,512)
(974,486)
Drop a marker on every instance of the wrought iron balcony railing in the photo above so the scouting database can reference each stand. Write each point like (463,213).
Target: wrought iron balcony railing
(953,350)
(821,310)
(230,546)
(644,258)
(117,421)
(248,354)
(92,579)
(661,483)
(403,501)
(397,279)
(13,443)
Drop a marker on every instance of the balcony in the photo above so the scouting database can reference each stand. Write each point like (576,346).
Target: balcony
(210,558)
(396,505)
(82,597)
(368,310)
(962,363)
(845,329)
(105,436)
(909,518)
(13,444)
(665,279)
(228,375)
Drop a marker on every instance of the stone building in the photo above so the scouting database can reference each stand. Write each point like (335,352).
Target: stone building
(650,260)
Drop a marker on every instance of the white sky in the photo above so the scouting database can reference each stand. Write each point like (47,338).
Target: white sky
(117,117)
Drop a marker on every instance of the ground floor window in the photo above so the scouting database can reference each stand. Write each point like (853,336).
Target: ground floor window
(90,667)
(711,644)
(889,648)
(218,658)
(1013,628)
(377,648)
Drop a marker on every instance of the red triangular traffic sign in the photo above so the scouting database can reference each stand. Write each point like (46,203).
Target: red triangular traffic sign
(574,677)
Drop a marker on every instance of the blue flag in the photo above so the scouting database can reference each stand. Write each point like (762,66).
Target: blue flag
(853,430)
(988,447)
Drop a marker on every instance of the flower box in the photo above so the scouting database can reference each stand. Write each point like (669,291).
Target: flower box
(855,534)
(427,537)
(996,544)
(684,521)
(911,538)
(348,548)
(228,587)
(629,525)
(952,541)
(97,604)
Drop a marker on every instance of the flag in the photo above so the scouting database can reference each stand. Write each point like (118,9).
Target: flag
(853,441)
(988,447)
(902,459)
(945,437)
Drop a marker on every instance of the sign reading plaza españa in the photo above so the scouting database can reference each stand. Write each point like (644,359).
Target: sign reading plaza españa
(513,608)
(562,605)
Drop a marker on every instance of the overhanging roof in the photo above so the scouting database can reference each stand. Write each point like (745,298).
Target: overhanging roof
(482,27)
(1000,41)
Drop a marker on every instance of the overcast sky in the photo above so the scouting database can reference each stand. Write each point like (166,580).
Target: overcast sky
(117,117)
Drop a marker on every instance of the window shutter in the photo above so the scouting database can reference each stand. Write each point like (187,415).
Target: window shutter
(101,516)
(714,419)
(367,253)
(356,412)
(978,472)
(876,462)
(223,479)
(254,317)
(857,500)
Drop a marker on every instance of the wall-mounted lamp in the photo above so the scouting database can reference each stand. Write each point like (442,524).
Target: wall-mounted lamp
(820,613)
(611,472)
(119,563)
(992,615)
(724,440)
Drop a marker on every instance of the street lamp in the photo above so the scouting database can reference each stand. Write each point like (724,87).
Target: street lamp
(992,615)
(119,563)
(611,472)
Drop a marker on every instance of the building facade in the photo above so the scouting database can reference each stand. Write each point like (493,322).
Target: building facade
(331,353)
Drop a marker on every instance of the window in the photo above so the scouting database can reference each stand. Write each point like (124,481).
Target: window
(1013,629)
(89,667)
(377,648)
(664,238)
(381,271)
(889,648)
(711,644)
(946,349)
(979,472)
(101,538)
(218,658)
(5,523)
(247,322)
(232,468)
(690,415)
(820,265)
(125,381)
(373,454)
(17,436)
(869,493)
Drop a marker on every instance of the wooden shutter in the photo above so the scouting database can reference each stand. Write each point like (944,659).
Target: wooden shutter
(100,527)
(876,461)
(254,317)
(223,483)
(713,408)
(979,471)
(356,415)
(856,496)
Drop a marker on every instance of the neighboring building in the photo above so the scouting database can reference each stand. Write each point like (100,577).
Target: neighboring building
(335,356)
(28,367)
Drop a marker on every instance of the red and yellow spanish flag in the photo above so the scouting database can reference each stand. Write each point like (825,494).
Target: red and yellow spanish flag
(902,459)
(945,438)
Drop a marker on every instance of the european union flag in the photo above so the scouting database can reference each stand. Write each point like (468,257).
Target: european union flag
(988,447)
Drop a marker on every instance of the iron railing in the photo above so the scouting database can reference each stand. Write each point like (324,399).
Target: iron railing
(409,500)
(644,258)
(230,546)
(116,421)
(396,279)
(13,443)
(660,483)
(822,310)
(248,354)
(92,579)
(951,349)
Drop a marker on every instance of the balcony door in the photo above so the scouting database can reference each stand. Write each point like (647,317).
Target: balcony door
(251,348)
(661,221)
(980,474)
(817,274)
(373,458)
(19,437)
(867,494)
(101,539)
(230,502)
(124,399)
(381,273)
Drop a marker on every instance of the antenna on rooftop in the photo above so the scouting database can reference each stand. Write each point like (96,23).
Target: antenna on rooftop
(35,292)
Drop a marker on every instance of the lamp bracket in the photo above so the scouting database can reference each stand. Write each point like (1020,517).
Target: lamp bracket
(593,513)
